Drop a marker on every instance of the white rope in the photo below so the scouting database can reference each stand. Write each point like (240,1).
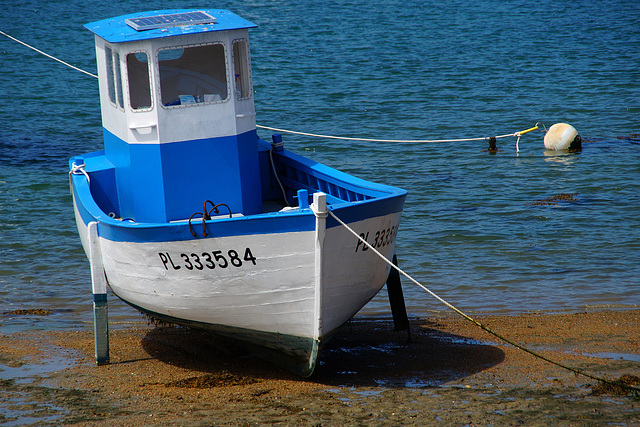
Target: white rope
(79,170)
(618,383)
(48,56)
(346,138)
(399,269)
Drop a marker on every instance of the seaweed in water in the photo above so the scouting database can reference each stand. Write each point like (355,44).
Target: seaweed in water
(554,200)
(29,312)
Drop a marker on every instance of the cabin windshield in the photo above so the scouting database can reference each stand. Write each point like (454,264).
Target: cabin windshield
(193,75)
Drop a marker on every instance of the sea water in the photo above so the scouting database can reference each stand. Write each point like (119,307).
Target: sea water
(479,229)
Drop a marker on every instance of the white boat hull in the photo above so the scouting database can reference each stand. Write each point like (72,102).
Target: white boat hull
(280,291)
(282,280)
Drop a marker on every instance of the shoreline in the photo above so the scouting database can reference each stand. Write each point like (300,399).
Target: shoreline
(450,371)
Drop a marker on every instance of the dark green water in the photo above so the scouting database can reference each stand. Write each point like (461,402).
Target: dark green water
(471,231)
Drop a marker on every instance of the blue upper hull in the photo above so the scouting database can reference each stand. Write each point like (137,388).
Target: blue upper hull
(351,198)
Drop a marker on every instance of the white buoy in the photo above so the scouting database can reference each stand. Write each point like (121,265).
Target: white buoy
(562,136)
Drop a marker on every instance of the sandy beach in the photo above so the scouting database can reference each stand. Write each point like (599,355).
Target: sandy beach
(450,373)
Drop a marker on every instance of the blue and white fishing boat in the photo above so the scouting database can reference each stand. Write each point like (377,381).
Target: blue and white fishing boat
(191,218)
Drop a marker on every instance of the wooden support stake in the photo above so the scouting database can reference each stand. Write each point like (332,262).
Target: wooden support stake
(99,288)
(396,300)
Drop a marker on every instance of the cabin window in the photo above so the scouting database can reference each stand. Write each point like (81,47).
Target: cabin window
(114,77)
(119,94)
(241,69)
(193,75)
(138,79)
(111,86)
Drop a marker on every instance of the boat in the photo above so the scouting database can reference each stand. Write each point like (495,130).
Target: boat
(193,219)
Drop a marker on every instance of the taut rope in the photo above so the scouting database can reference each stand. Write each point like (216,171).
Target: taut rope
(627,387)
(344,138)
(48,56)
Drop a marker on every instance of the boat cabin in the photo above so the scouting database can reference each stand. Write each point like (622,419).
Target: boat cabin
(178,113)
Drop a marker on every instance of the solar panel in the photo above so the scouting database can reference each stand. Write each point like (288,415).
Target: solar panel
(172,20)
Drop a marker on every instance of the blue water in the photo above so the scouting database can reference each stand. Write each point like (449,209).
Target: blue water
(393,70)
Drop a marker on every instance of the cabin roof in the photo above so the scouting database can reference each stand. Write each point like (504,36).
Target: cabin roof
(171,22)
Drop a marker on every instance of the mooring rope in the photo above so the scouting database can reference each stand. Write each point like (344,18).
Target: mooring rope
(47,55)
(347,138)
(631,388)
(79,170)
(315,135)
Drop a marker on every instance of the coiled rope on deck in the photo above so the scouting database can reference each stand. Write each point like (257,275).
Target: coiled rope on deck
(630,388)
(315,135)
(79,170)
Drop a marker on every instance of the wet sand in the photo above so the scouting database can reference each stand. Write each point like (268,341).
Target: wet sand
(450,373)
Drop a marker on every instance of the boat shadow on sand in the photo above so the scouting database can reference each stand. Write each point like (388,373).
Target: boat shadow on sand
(364,352)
